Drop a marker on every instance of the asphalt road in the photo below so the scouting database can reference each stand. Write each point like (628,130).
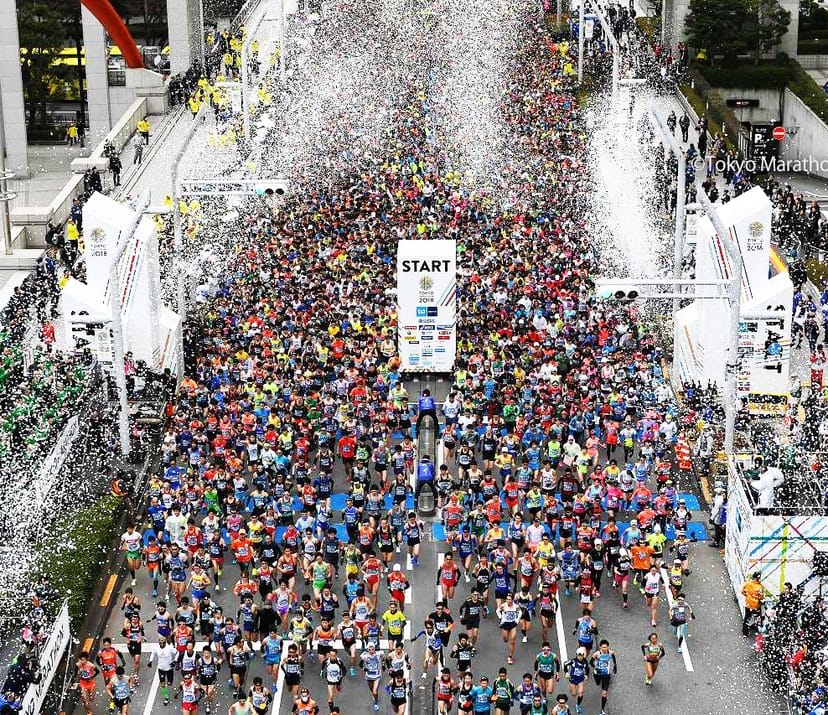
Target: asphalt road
(723,677)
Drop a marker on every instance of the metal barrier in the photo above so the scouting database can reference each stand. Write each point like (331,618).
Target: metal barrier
(427,431)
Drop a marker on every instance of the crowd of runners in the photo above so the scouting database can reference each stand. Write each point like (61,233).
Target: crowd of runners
(289,459)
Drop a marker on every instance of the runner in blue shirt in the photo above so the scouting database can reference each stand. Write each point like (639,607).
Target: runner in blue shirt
(604,666)
(577,670)
(482,696)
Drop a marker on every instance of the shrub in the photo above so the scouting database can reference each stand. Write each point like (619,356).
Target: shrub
(73,556)
(804,87)
(763,76)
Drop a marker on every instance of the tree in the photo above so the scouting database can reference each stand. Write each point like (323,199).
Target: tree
(766,23)
(42,35)
(716,26)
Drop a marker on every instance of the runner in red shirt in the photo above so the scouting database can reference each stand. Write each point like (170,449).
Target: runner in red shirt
(347,451)
(372,569)
(448,576)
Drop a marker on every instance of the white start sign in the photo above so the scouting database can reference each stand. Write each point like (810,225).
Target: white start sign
(426,295)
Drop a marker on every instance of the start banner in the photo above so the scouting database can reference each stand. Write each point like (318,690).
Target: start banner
(426,296)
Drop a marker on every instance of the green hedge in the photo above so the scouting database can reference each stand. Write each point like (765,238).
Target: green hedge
(806,88)
(812,33)
(74,555)
(763,76)
(813,46)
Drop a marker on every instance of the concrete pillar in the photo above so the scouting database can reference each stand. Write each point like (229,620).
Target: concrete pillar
(97,83)
(13,120)
(184,30)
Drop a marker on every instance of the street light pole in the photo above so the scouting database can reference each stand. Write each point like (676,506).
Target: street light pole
(282,67)
(5,196)
(178,240)
(681,193)
(580,40)
(245,112)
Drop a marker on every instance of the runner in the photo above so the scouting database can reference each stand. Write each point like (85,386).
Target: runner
(577,671)
(604,666)
(371,663)
(653,652)
(680,613)
(120,689)
(547,669)
(132,545)
(509,614)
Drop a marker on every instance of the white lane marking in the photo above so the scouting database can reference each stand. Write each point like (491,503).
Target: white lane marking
(156,683)
(408,565)
(685,650)
(280,682)
(441,557)
(560,629)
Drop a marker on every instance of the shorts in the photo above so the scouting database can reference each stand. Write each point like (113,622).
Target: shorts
(348,643)
(413,542)
(119,703)
(503,705)
(133,555)
(602,680)
(165,677)
(189,707)
(507,626)
(134,648)
(239,670)
(324,649)
(292,679)
(198,594)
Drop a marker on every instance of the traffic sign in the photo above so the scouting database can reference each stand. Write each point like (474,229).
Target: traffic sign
(779,133)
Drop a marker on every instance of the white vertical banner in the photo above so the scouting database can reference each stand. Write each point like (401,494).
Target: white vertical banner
(426,296)
(50,657)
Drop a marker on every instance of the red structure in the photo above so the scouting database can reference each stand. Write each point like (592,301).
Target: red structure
(118,31)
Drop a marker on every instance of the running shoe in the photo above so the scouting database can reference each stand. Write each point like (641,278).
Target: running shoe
(468,580)
(352,672)
(578,709)
(133,582)
(154,593)
(524,639)
(376,706)
(510,660)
